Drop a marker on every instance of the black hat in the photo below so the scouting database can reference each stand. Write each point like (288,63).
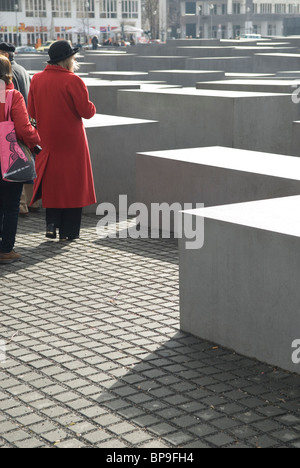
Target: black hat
(60,50)
(7,47)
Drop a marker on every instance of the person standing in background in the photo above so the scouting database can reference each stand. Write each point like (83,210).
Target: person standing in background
(21,82)
(10,192)
(58,100)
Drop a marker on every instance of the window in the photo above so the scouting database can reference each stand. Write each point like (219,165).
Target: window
(224,9)
(61,8)
(85,8)
(255,10)
(190,8)
(130,9)
(236,8)
(280,8)
(191,30)
(266,8)
(214,32)
(9,5)
(271,29)
(236,31)
(35,8)
(108,8)
(293,9)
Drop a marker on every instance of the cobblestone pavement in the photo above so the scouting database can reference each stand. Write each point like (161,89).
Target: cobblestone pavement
(94,357)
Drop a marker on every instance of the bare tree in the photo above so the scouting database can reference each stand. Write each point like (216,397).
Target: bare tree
(151,12)
(174,16)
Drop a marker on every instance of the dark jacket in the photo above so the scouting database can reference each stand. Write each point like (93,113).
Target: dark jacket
(21,79)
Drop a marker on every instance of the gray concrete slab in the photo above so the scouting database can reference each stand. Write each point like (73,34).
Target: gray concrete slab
(230,50)
(149,62)
(296,136)
(249,76)
(112,61)
(241,289)
(185,78)
(241,64)
(104,93)
(94,357)
(114,142)
(152,85)
(272,63)
(205,51)
(32,61)
(119,75)
(263,86)
(294,74)
(191,118)
(193,42)
(213,176)
(86,67)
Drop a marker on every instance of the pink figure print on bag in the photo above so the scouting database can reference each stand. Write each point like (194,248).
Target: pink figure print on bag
(15,149)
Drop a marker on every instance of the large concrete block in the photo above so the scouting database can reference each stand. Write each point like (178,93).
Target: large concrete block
(119,75)
(205,51)
(86,67)
(193,42)
(152,49)
(186,78)
(241,289)
(272,63)
(230,51)
(261,86)
(296,139)
(104,93)
(191,118)
(226,64)
(32,61)
(249,76)
(214,176)
(148,62)
(112,61)
(294,74)
(114,142)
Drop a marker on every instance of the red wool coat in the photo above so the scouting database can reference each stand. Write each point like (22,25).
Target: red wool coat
(24,130)
(58,100)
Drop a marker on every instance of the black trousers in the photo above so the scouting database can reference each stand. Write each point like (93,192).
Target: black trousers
(10,194)
(67,220)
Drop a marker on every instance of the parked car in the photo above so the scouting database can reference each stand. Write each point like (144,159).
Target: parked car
(25,50)
(45,47)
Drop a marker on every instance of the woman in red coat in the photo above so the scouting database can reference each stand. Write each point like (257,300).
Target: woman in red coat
(58,100)
(10,192)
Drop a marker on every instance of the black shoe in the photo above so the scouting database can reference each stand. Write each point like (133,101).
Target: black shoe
(65,238)
(51,231)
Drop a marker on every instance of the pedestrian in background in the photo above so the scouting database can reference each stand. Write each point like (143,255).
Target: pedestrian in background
(21,82)
(10,192)
(21,77)
(58,100)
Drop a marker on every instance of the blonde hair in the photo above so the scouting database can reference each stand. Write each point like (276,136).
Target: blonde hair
(69,63)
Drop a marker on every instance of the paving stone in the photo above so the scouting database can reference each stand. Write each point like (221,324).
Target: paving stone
(219,440)
(70,444)
(96,357)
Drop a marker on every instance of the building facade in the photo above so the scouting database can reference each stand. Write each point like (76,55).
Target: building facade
(31,21)
(225,19)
